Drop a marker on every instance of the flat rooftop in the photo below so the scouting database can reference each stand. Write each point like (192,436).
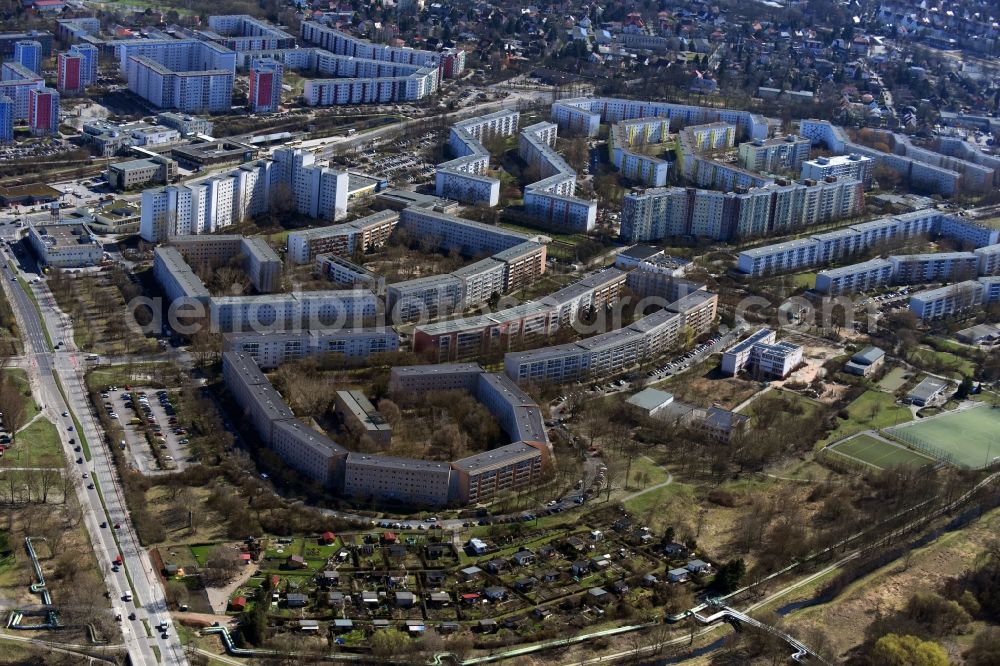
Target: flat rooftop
(63,236)
(498,457)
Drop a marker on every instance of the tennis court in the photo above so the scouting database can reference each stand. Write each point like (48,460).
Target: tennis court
(969,438)
(878,453)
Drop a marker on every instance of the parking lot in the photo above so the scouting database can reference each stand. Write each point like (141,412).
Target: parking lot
(147,410)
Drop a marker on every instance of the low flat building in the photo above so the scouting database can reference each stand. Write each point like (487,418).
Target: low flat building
(865,362)
(134,174)
(360,417)
(650,401)
(64,245)
(928,391)
(981,334)
(117,217)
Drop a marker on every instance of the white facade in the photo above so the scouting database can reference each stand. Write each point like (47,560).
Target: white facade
(463,178)
(551,199)
(585,114)
(851,166)
(947,301)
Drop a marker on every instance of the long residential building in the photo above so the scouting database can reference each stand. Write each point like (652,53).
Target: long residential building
(466,237)
(635,164)
(450,62)
(919,167)
(551,199)
(760,211)
(861,277)
(696,165)
(362,235)
(260,263)
(464,177)
(951,300)
(240,32)
(934,267)
(840,244)
(585,114)
(345,308)
(367,73)
(189,75)
(615,351)
(303,449)
(368,477)
(271,349)
(524,324)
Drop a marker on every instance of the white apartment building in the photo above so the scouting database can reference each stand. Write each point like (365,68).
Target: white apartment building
(636,165)
(861,277)
(190,75)
(551,199)
(221,200)
(423,298)
(785,153)
(834,245)
(405,480)
(365,234)
(940,267)
(464,236)
(853,166)
(617,350)
(763,355)
(585,114)
(989,259)
(271,349)
(462,178)
(674,211)
(947,301)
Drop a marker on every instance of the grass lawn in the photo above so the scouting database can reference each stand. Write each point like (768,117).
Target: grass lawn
(566,238)
(642,504)
(805,280)
(201,552)
(956,365)
(872,410)
(968,437)
(20,379)
(879,453)
(647,471)
(37,445)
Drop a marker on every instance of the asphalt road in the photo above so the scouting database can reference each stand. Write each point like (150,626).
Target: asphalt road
(45,365)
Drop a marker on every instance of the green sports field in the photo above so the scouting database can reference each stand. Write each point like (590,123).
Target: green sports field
(878,453)
(969,438)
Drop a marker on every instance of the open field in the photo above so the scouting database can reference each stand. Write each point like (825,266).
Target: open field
(872,410)
(878,453)
(943,362)
(705,386)
(844,619)
(968,438)
(37,445)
